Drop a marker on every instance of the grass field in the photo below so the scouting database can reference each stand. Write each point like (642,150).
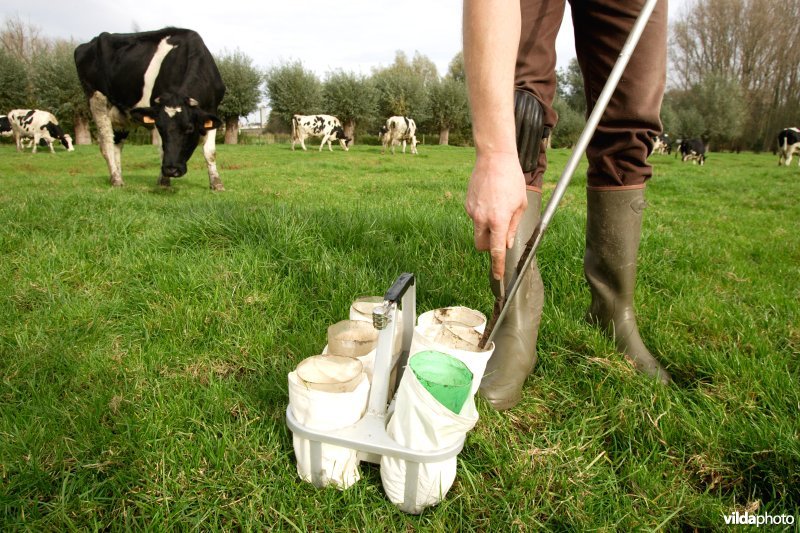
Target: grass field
(146,334)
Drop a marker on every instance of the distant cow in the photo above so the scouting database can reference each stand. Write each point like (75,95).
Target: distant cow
(396,130)
(788,144)
(326,126)
(165,79)
(694,149)
(662,144)
(37,125)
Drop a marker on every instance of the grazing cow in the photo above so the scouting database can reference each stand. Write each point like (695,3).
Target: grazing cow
(662,144)
(694,149)
(165,79)
(396,130)
(326,126)
(37,125)
(788,144)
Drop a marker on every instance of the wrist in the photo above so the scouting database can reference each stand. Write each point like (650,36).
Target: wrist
(495,151)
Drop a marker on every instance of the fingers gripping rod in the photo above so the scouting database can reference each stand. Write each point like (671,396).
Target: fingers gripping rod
(502,304)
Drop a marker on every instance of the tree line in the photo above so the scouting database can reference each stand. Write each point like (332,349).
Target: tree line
(735,72)
(734,81)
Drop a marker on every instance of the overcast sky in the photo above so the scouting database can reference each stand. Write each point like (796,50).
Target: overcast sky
(351,35)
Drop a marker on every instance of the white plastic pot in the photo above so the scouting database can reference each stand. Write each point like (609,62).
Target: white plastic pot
(421,423)
(361,310)
(325,393)
(457,315)
(354,338)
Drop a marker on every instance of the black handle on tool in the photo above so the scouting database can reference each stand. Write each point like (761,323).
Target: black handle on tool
(501,304)
(399,287)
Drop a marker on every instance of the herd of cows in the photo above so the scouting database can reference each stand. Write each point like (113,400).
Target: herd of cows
(168,79)
(695,149)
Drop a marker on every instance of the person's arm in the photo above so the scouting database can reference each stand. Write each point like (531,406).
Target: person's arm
(496,194)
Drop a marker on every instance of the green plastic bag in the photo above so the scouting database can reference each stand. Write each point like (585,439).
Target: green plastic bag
(445,377)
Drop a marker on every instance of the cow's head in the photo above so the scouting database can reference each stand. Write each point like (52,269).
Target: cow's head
(181,123)
(66,140)
(56,132)
(338,135)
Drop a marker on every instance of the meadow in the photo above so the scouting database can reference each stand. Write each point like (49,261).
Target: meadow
(146,335)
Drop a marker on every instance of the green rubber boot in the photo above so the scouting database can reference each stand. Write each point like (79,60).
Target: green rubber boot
(515,340)
(613,232)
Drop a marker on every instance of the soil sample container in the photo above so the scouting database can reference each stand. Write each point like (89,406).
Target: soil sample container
(456,315)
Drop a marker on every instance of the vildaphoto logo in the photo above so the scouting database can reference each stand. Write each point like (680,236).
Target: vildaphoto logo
(747,519)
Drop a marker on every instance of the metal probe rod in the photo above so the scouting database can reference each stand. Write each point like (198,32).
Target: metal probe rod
(572,164)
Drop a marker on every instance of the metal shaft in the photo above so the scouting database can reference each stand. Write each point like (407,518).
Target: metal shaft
(572,164)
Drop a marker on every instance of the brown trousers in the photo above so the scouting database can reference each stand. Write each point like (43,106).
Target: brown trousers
(619,148)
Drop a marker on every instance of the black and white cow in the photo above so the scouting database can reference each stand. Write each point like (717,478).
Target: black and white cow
(662,144)
(788,144)
(165,79)
(326,126)
(37,125)
(694,149)
(399,130)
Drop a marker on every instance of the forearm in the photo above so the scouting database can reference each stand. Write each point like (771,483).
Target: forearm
(491,40)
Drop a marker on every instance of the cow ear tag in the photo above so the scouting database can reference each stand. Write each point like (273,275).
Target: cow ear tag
(148,120)
(209,125)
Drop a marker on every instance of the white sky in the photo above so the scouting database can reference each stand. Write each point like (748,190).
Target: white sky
(351,35)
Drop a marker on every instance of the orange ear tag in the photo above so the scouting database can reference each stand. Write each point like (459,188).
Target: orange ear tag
(209,125)
(148,120)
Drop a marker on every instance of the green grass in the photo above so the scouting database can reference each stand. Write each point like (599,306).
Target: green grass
(146,334)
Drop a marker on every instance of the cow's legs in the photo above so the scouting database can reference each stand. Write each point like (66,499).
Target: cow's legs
(325,140)
(210,153)
(404,146)
(303,143)
(18,141)
(342,144)
(35,143)
(118,155)
(98,104)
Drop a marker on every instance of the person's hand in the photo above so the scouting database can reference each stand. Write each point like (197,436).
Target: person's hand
(495,201)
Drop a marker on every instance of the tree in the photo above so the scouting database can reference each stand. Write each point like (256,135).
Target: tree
(242,91)
(292,89)
(569,126)
(745,41)
(401,88)
(569,87)
(21,40)
(57,89)
(455,70)
(13,83)
(713,109)
(448,107)
(350,97)
(423,67)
